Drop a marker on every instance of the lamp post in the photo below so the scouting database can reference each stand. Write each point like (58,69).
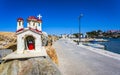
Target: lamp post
(79,22)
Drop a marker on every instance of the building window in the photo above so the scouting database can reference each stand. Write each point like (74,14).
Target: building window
(19,23)
(34,24)
(39,25)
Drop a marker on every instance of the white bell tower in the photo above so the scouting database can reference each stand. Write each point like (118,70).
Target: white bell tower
(39,26)
(19,23)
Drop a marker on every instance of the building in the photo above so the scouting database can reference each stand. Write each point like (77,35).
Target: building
(29,39)
(64,36)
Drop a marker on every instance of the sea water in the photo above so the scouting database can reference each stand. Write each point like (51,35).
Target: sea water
(112,45)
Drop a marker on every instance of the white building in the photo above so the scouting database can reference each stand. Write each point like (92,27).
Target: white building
(29,39)
(64,36)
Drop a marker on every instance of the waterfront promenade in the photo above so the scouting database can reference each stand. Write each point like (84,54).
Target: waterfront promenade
(77,60)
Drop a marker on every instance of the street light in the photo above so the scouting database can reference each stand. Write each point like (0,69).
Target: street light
(79,21)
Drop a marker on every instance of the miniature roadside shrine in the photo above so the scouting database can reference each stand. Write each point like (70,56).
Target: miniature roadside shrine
(29,41)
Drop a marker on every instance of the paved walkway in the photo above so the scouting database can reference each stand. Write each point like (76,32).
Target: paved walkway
(75,60)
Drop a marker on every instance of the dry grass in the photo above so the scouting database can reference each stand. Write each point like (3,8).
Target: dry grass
(7,40)
(50,50)
(10,35)
(52,54)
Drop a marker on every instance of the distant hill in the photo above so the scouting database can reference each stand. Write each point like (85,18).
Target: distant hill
(7,40)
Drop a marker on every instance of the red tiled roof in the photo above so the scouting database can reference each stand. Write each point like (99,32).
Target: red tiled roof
(31,29)
(34,19)
(39,20)
(20,19)
(20,29)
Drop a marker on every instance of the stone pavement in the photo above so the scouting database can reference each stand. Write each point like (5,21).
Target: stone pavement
(76,60)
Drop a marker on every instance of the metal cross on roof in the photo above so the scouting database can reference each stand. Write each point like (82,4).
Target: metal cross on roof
(39,16)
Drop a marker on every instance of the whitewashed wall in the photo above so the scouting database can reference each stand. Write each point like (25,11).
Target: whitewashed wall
(21,41)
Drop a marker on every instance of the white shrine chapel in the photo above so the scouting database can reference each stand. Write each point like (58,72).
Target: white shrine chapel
(29,41)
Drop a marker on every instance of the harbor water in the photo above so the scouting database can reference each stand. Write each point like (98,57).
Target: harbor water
(112,45)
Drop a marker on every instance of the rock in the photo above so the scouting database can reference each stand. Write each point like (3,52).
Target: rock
(31,66)
(5,52)
(12,47)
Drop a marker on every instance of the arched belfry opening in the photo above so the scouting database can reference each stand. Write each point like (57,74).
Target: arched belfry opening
(29,43)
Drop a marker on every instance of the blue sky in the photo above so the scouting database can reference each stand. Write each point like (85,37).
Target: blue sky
(61,16)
